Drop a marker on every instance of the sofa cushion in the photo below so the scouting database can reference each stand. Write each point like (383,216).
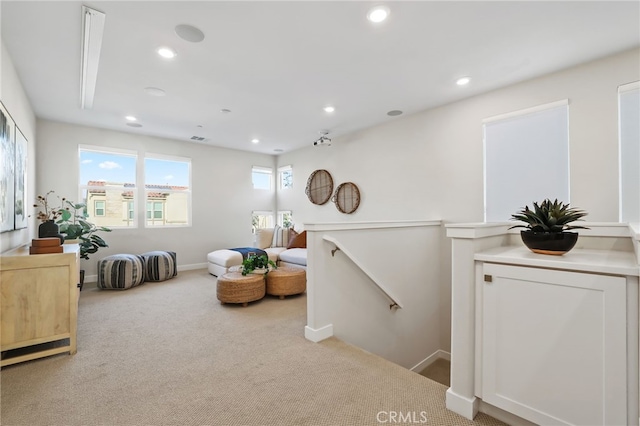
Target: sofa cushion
(225,258)
(264,236)
(300,241)
(297,256)
(274,252)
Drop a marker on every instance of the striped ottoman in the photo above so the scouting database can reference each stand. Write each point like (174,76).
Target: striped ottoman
(120,271)
(159,265)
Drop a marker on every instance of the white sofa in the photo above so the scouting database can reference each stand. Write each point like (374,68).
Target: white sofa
(219,261)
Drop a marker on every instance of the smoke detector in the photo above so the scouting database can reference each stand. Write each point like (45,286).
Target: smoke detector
(323,140)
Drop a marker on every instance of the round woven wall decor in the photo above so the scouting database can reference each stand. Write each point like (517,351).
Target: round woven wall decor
(347,197)
(319,187)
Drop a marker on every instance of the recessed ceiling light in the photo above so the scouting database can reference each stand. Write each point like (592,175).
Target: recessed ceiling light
(134,124)
(329,109)
(394,112)
(378,14)
(131,118)
(154,91)
(189,33)
(167,52)
(462,81)
(255,140)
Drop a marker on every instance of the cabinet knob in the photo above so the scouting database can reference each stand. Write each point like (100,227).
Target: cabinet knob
(488,278)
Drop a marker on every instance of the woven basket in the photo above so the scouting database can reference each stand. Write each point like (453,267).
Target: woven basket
(233,287)
(319,187)
(286,281)
(347,197)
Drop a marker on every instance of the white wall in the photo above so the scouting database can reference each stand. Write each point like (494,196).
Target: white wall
(429,166)
(404,259)
(222,198)
(17,104)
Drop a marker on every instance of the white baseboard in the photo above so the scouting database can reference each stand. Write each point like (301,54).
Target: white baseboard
(319,334)
(439,354)
(88,279)
(192,266)
(466,407)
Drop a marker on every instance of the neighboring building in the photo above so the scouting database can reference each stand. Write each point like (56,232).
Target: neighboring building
(112,204)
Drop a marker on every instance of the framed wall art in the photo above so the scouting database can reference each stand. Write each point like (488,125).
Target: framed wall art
(20,205)
(7,171)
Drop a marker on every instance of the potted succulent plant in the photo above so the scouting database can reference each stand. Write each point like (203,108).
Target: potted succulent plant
(546,227)
(254,263)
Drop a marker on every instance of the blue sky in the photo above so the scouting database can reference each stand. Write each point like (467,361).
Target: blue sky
(122,168)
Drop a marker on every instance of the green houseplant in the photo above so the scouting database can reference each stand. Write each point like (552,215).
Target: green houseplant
(253,262)
(547,224)
(74,226)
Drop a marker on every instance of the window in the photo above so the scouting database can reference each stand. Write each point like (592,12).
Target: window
(107,181)
(285,177)
(511,180)
(261,219)
(99,207)
(130,215)
(167,190)
(261,177)
(629,133)
(285,219)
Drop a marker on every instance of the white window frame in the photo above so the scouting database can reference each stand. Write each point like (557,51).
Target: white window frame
(511,181)
(154,156)
(280,217)
(113,151)
(281,172)
(268,214)
(265,171)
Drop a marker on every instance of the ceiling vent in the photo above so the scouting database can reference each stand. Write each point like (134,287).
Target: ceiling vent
(197,138)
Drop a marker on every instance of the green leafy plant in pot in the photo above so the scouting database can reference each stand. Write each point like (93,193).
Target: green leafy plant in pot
(547,224)
(74,225)
(253,262)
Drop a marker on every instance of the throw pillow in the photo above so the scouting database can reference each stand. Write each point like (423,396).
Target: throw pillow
(280,237)
(300,241)
(292,235)
(264,237)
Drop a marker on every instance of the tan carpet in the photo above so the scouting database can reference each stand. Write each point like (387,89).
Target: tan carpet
(440,371)
(169,354)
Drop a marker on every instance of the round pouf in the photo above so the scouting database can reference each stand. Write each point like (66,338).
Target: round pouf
(233,287)
(159,265)
(286,281)
(120,271)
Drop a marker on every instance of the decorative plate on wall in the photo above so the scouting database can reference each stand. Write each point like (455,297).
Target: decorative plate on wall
(319,187)
(347,197)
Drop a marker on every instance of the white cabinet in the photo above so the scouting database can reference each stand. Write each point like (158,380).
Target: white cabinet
(554,344)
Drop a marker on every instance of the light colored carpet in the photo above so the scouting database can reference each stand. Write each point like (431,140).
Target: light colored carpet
(440,371)
(169,354)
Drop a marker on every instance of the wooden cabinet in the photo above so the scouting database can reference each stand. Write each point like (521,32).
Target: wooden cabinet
(557,346)
(38,304)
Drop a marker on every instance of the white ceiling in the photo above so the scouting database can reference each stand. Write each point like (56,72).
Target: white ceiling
(275,65)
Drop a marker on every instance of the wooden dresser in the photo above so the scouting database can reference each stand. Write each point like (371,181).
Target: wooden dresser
(39,303)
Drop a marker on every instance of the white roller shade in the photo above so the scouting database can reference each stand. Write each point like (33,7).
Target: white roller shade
(629,122)
(526,159)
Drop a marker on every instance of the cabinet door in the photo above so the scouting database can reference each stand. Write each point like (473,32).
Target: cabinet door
(554,345)
(35,306)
